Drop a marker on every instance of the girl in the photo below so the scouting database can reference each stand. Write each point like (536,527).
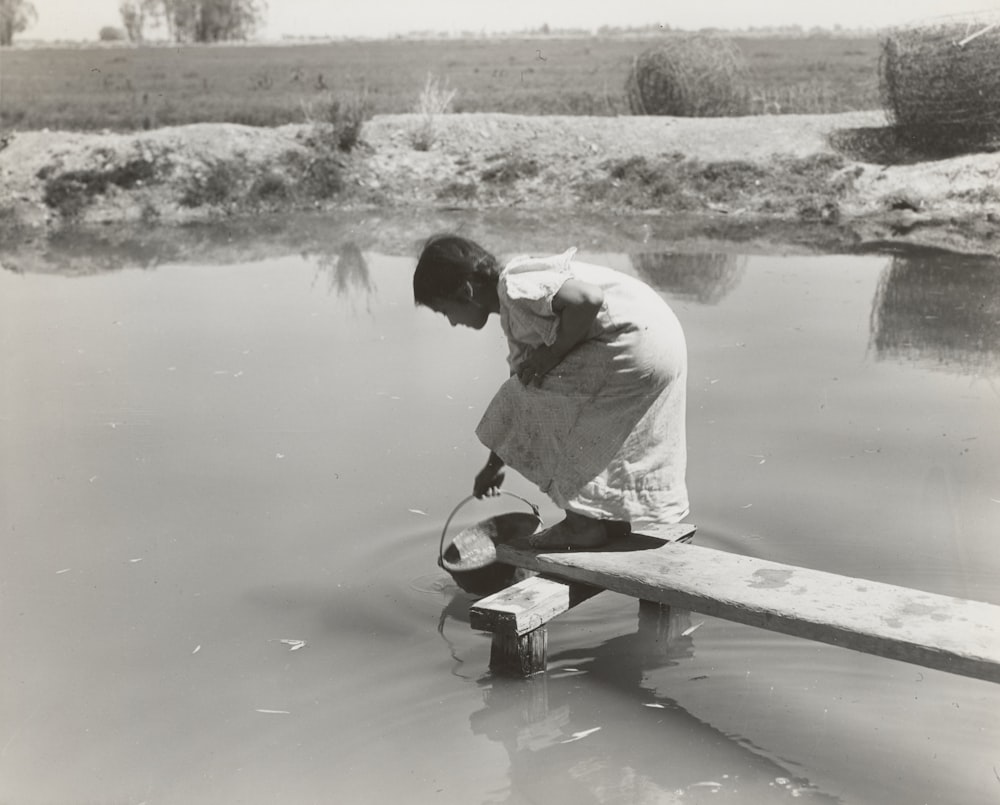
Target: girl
(594,409)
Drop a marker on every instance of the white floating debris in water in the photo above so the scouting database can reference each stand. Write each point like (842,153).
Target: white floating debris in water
(197,649)
(691,629)
(133,561)
(748,506)
(279,455)
(654,704)
(418,511)
(706,784)
(293,645)
(275,712)
(562,673)
(581,734)
(64,570)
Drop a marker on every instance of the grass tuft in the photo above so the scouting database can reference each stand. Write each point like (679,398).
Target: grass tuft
(214,187)
(434,100)
(345,114)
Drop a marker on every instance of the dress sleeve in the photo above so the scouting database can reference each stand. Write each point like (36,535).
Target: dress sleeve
(529,299)
(527,288)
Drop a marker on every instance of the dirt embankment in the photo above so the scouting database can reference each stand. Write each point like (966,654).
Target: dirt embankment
(841,171)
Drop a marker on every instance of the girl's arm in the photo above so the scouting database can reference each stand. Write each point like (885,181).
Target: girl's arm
(576,304)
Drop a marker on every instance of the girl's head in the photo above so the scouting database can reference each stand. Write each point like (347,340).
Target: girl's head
(446,264)
(457,277)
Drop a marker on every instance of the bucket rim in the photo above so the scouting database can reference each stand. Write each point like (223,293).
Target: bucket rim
(444,531)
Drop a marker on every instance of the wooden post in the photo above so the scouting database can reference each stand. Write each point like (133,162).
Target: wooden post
(662,622)
(519,655)
(664,631)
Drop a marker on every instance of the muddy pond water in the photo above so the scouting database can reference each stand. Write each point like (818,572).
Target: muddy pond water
(223,486)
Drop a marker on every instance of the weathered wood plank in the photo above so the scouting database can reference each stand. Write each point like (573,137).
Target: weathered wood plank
(528,604)
(934,631)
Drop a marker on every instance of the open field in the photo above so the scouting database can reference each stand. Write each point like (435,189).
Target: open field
(129,88)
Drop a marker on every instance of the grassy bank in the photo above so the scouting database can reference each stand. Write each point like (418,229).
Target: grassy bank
(127,88)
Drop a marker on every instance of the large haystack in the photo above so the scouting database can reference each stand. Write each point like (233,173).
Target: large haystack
(940,81)
(689,76)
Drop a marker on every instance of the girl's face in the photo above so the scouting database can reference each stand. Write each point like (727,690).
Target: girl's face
(462,308)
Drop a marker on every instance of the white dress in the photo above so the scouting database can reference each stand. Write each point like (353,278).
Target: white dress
(604,434)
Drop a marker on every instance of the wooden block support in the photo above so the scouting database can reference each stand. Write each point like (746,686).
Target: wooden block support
(517,616)
(525,606)
(934,631)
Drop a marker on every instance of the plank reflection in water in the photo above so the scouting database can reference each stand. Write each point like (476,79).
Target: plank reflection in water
(939,309)
(563,745)
(706,278)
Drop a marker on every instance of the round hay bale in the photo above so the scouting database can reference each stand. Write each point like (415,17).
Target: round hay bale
(940,81)
(689,76)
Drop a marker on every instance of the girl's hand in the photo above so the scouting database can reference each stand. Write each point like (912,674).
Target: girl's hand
(540,361)
(488,481)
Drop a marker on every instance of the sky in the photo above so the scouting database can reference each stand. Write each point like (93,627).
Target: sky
(82,19)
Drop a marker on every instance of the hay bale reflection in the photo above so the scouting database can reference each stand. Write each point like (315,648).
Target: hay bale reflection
(346,272)
(939,308)
(706,278)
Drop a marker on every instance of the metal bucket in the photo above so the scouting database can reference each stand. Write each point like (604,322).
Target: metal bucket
(471,557)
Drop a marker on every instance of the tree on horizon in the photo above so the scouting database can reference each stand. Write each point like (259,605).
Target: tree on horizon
(194,20)
(15,17)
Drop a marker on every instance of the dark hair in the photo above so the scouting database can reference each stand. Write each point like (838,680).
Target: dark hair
(446,262)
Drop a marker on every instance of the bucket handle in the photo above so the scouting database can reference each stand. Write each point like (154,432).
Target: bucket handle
(454,511)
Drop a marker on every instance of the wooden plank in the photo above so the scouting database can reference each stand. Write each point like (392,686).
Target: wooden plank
(527,605)
(934,631)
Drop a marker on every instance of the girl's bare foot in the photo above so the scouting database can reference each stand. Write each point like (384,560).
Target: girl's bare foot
(576,531)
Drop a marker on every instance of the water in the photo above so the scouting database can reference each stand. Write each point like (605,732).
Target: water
(206,462)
